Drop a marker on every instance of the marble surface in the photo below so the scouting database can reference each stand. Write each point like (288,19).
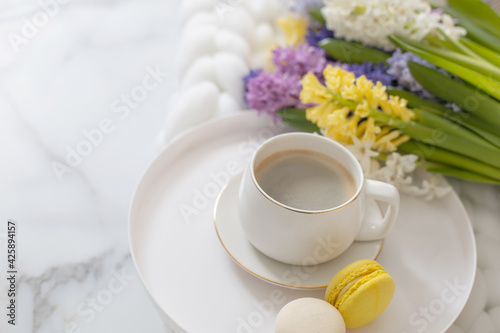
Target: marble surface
(83,95)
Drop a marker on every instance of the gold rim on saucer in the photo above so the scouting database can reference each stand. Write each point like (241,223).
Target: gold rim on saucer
(257,274)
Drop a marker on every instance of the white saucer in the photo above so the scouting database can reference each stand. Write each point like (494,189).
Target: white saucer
(198,288)
(232,237)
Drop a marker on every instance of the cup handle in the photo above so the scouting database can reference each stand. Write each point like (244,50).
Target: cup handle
(378,229)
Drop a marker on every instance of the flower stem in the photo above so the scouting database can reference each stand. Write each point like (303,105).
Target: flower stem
(474,63)
(344,102)
(432,120)
(454,160)
(485,82)
(474,32)
(458,173)
(440,138)
(480,127)
(484,52)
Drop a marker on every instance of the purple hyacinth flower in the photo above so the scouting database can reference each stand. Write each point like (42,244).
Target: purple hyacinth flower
(300,60)
(253,73)
(398,67)
(270,92)
(373,72)
(314,36)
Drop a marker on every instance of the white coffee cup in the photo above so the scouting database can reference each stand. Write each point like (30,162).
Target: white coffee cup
(300,236)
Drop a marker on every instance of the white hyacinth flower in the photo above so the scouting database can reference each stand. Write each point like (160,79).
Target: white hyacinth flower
(398,170)
(363,152)
(371,21)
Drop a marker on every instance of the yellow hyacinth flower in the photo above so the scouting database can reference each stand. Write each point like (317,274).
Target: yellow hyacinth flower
(362,110)
(374,94)
(312,90)
(397,106)
(294,28)
(319,114)
(343,106)
(337,79)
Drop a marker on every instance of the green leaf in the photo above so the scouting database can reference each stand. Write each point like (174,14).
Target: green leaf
(293,113)
(448,89)
(483,82)
(305,126)
(455,160)
(297,118)
(476,64)
(485,130)
(449,170)
(432,120)
(474,32)
(479,13)
(440,137)
(352,52)
(484,52)
(317,15)
(463,174)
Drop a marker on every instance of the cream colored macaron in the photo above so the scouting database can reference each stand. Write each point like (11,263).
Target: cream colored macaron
(309,315)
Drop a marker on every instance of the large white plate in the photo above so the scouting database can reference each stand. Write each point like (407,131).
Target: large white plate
(199,289)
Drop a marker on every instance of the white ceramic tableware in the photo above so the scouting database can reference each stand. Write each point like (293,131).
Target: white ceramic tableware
(198,288)
(234,241)
(303,236)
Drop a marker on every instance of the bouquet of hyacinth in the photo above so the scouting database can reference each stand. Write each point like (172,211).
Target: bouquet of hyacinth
(401,84)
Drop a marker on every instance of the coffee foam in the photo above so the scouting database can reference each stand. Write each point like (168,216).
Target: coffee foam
(306,180)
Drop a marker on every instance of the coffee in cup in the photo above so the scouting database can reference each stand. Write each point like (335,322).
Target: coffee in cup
(303,196)
(304,179)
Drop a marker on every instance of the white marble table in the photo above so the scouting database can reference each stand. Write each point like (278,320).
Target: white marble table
(83,94)
(71,77)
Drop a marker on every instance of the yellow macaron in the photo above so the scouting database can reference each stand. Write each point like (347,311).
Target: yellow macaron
(360,291)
